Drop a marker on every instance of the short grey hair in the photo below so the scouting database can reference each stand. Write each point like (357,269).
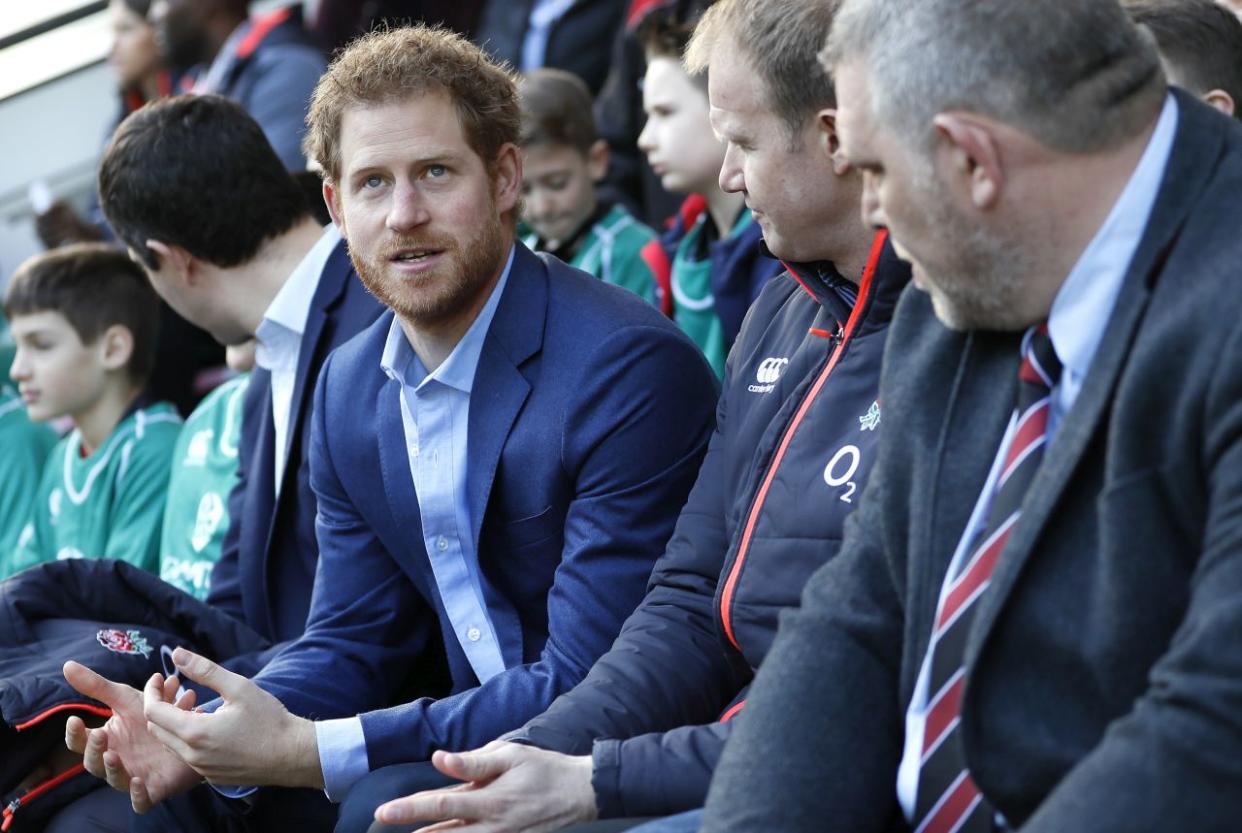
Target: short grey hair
(1075,74)
(781,38)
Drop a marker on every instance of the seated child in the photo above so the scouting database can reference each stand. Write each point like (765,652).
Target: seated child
(25,446)
(84,320)
(562,160)
(204,471)
(711,256)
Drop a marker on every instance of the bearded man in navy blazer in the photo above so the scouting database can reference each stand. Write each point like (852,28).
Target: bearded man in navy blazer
(498,462)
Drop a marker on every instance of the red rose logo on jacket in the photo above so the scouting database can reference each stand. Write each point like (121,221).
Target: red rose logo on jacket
(124,642)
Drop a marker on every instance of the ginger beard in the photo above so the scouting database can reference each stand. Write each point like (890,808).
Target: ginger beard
(466,266)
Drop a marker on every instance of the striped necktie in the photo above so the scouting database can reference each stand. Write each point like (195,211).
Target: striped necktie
(948,800)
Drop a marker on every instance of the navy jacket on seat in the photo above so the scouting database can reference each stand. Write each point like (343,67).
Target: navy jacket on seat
(589,417)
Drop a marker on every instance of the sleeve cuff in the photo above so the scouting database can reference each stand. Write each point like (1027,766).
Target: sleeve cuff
(606,778)
(342,755)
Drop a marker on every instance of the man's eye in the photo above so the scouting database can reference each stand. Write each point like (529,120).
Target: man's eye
(436,171)
(373,181)
(558,183)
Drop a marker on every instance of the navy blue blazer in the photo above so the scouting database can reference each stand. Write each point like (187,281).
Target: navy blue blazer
(590,416)
(267,565)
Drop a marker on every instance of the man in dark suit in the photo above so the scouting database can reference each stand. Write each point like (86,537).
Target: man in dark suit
(497,464)
(1034,620)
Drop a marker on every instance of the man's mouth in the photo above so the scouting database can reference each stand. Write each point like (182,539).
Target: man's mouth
(414,255)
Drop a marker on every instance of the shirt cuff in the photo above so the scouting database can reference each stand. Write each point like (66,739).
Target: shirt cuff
(342,755)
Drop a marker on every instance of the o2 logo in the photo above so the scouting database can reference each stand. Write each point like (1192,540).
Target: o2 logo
(841,469)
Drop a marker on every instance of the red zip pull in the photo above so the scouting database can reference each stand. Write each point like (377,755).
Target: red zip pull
(30,795)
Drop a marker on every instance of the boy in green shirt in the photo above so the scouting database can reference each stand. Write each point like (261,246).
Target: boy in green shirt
(562,160)
(84,320)
(25,446)
(204,471)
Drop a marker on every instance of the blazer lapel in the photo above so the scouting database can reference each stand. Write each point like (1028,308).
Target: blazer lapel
(980,403)
(334,279)
(499,388)
(399,482)
(1190,164)
(499,391)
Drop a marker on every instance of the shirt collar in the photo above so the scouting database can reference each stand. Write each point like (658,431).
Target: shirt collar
(291,306)
(1086,299)
(400,362)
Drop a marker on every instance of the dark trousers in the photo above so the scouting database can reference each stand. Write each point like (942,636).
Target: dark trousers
(383,785)
(272,810)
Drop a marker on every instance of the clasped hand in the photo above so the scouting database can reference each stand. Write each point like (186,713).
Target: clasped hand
(155,746)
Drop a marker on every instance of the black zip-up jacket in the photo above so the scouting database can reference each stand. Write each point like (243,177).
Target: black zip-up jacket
(113,618)
(795,439)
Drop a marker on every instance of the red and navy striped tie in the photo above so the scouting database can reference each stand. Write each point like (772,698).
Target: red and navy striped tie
(948,800)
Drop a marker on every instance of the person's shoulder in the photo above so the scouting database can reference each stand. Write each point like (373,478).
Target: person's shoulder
(153,429)
(220,403)
(619,222)
(578,302)
(351,364)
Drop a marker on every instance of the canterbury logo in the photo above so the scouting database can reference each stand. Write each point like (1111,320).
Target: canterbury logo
(770,370)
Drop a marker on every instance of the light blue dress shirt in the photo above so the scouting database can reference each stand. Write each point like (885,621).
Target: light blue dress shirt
(1080,313)
(435,411)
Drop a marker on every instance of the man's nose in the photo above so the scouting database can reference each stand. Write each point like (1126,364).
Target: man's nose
(731,179)
(408,209)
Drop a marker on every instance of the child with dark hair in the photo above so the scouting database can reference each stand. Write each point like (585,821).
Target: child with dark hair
(710,258)
(85,322)
(562,161)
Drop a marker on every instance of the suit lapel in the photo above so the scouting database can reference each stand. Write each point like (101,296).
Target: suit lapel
(334,279)
(399,481)
(261,509)
(1193,157)
(497,396)
(980,403)
(500,389)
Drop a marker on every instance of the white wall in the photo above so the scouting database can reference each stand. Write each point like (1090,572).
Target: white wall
(54,132)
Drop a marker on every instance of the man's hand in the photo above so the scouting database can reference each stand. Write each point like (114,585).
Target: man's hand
(122,751)
(250,740)
(509,787)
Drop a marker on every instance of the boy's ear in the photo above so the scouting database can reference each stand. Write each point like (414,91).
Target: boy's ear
(178,259)
(829,144)
(597,160)
(117,346)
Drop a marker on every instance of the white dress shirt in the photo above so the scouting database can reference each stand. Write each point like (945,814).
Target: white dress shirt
(1080,313)
(279,337)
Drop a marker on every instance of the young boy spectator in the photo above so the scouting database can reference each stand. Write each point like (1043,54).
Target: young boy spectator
(204,472)
(85,319)
(710,258)
(1200,45)
(26,445)
(562,160)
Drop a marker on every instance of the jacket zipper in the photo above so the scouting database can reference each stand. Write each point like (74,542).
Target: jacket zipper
(6,819)
(839,340)
(30,795)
